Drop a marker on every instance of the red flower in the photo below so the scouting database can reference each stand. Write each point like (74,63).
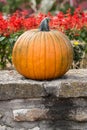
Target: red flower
(3,25)
(22,20)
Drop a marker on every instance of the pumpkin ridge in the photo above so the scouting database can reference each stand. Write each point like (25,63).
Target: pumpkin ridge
(67,52)
(15,50)
(40,51)
(24,42)
(40,57)
(45,55)
(34,75)
(59,47)
(47,44)
(54,51)
(20,58)
(64,41)
(44,52)
(70,50)
(60,52)
(17,53)
(27,48)
(33,57)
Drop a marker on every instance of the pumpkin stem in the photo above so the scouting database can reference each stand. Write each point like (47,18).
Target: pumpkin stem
(44,24)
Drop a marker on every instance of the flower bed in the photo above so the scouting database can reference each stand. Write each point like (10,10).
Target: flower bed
(74,26)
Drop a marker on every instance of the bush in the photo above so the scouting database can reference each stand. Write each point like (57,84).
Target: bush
(6,46)
(79,53)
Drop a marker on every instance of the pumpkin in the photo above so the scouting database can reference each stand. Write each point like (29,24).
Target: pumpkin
(42,53)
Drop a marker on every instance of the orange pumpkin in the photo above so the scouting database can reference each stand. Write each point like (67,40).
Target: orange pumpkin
(42,53)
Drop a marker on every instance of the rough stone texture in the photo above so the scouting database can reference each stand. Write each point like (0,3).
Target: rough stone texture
(10,128)
(35,114)
(30,114)
(53,109)
(36,128)
(15,86)
(59,104)
(21,113)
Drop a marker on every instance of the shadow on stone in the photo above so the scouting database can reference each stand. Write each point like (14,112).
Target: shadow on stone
(59,113)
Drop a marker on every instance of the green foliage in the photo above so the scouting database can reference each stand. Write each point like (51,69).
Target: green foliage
(80,35)
(1,6)
(80,49)
(36,5)
(4,52)
(13,5)
(83,34)
(66,7)
(6,46)
(79,53)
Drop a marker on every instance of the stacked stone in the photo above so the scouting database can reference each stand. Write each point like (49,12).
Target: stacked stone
(59,104)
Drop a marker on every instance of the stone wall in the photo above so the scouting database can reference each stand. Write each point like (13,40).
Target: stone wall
(59,104)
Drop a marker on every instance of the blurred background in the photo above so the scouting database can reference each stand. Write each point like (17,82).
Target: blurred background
(44,6)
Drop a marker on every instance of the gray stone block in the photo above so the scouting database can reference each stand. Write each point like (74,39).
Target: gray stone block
(15,86)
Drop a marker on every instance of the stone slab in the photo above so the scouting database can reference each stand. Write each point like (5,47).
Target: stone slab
(15,86)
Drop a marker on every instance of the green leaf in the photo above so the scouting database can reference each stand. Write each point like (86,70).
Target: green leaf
(2,38)
(83,34)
